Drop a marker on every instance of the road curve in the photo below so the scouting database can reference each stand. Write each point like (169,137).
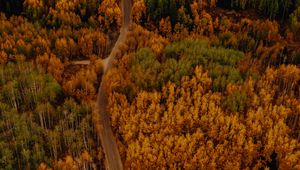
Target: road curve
(108,142)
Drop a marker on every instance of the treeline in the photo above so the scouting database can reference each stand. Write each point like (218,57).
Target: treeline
(53,13)
(182,12)
(76,14)
(270,8)
(88,13)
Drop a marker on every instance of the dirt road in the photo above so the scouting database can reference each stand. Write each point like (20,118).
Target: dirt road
(108,142)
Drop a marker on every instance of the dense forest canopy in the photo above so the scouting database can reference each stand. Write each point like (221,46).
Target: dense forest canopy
(179,123)
(197,84)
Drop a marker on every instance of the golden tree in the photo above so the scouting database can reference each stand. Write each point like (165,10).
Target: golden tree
(138,9)
(109,12)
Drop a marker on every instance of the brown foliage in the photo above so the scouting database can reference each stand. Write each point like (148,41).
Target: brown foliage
(185,126)
(51,64)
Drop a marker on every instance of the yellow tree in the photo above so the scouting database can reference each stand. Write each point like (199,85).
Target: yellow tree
(62,48)
(3,57)
(138,9)
(165,27)
(109,12)
(51,64)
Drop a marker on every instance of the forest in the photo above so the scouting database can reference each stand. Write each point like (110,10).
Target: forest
(192,84)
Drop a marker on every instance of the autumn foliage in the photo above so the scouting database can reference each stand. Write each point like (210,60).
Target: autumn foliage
(213,117)
(196,84)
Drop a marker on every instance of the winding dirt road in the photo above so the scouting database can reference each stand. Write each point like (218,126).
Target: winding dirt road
(108,142)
